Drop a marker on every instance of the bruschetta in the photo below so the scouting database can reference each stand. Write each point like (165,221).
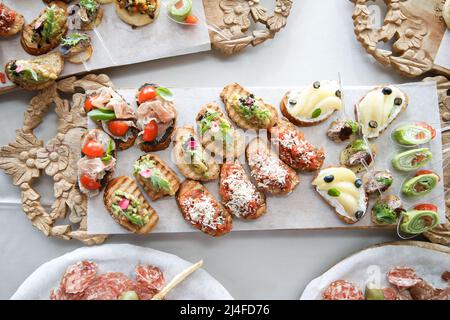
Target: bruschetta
(89,14)
(155,176)
(239,195)
(76,48)
(37,73)
(138,13)
(98,162)
(199,207)
(190,157)
(156,117)
(246,110)
(45,32)
(270,173)
(312,105)
(11,22)
(344,191)
(128,207)
(217,134)
(113,114)
(358,155)
(293,149)
(379,108)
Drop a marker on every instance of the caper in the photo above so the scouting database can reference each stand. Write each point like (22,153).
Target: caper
(373,124)
(359,214)
(387,91)
(316,85)
(398,101)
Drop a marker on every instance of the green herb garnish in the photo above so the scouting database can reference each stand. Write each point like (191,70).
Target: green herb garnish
(316,113)
(354,125)
(359,145)
(73,39)
(333,192)
(164,93)
(109,150)
(384,181)
(50,24)
(89,5)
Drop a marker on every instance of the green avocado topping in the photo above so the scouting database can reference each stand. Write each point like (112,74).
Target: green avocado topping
(146,168)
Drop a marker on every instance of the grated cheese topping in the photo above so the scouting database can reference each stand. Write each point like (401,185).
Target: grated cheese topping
(301,150)
(242,192)
(267,171)
(202,211)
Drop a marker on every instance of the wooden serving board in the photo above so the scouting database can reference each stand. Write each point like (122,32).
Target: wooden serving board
(414,30)
(28,158)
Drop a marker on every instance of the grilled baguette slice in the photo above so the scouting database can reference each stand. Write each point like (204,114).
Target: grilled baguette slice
(136,19)
(19,21)
(191,190)
(36,48)
(166,172)
(235,89)
(220,147)
(261,158)
(183,164)
(128,185)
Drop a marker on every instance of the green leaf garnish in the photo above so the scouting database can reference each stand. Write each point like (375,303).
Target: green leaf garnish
(89,5)
(73,39)
(354,125)
(164,93)
(159,182)
(316,113)
(333,192)
(109,150)
(50,24)
(384,181)
(359,145)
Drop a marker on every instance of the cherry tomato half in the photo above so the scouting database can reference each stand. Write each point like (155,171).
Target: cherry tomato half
(88,103)
(426,207)
(93,149)
(89,183)
(146,94)
(151,131)
(118,128)
(422,172)
(428,127)
(191,19)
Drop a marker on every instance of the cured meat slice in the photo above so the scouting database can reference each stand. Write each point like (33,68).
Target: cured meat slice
(108,286)
(78,277)
(150,277)
(59,294)
(143,292)
(403,277)
(342,290)
(390,293)
(425,291)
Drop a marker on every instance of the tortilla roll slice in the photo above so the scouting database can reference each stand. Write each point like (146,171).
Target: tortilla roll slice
(140,221)
(154,187)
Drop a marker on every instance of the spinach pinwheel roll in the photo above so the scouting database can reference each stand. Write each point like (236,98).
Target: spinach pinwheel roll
(422,183)
(412,159)
(420,219)
(414,134)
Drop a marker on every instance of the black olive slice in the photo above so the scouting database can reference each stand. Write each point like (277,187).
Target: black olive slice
(316,85)
(387,91)
(373,124)
(328,179)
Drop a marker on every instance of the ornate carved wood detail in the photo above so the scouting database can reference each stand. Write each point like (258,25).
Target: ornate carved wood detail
(232,21)
(416,29)
(442,233)
(27,158)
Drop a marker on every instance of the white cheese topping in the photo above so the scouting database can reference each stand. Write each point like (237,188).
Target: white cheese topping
(267,171)
(202,211)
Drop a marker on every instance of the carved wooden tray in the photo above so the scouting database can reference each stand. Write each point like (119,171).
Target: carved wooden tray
(28,158)
(415,27)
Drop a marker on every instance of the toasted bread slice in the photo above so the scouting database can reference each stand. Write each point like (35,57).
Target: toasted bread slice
(185,166)
(129,186)
(379,108)
(81,57)
(239,195)
(17,25)
(312,105)
(166,172)
(52,62)
(235,89)
(270,173)
(219,146)
(199,207)
(293,149)
(39,46)
(338,186)
(137,19)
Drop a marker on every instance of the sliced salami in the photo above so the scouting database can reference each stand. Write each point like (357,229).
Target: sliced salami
(143,292)
(59,294)
(150,277)
(78,277)
(342,290)
(403,277)
(390,293)
(108,286)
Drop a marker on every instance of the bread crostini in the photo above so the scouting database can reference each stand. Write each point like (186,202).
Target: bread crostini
(379,108)
(217,134)
(45,32)
(344,191)
(199,207)
(270,173)
(11,22)
(112,113)
(89,14)
(128,207)
(156,117)
(246,110)
(293,149)
(313,104)
(155,176)
(190,157)
(239,195)
(358,155)
(76,48)
(137,13)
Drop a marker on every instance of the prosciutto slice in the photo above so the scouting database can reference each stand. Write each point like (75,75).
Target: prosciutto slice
(161,111)
(107,98)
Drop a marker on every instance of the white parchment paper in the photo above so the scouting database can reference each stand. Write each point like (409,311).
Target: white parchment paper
(115,43)
(123,258)
(443,55)
(303,208)
(372,265)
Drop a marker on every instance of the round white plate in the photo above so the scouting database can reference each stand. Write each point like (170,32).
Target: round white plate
(372,264)
(123,258)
